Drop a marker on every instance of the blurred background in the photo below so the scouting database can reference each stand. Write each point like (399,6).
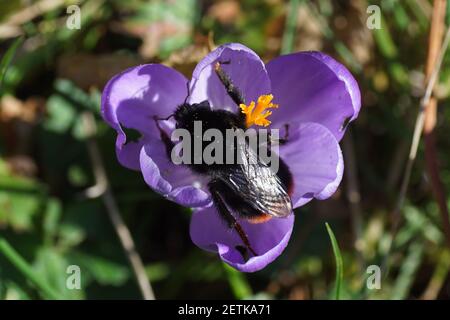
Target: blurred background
(50,217)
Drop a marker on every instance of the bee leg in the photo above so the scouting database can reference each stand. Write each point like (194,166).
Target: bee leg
(281,141)
(214,188)
(232,90)
(285,139)
(243,251)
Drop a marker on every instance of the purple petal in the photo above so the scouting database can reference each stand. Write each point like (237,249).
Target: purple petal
(313,87)
(175,182)
(245,69)
(315,160)
(209,232)
(133,97)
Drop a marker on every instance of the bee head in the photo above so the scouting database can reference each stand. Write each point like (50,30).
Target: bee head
(187,113)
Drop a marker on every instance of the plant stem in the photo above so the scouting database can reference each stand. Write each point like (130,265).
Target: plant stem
(418,128)
(102,189)
(435,40)
(353,196)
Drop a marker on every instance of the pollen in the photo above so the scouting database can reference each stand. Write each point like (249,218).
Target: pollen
(257,113)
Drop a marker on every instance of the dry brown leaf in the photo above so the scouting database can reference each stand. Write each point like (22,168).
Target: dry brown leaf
(310,35)
(349,23)
(29,111)
(22,165)
(152,34)
(226,12)
(88,70)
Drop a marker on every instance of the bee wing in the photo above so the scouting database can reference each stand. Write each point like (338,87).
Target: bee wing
(258,185)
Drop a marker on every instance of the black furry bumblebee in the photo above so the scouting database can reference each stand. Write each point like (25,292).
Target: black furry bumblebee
(250,190)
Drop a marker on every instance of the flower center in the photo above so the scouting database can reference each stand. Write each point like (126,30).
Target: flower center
(257,113)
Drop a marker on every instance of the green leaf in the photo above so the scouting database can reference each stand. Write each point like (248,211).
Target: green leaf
(61,114)
(338,260)
(104,271)
(51,266)
(157,271)
(77,176)
(76,96)
(8,57)
(20,200)
(65,108)
(52,216)
(70,235)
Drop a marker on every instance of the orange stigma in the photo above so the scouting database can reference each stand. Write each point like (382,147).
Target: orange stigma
(255,113)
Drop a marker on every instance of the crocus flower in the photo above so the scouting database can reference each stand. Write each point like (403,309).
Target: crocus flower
(317,98)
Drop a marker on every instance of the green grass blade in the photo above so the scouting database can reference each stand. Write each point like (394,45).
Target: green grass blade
(338,259)
(287,45)
(447,15)
(8,57)
(15,259)
(408,271)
